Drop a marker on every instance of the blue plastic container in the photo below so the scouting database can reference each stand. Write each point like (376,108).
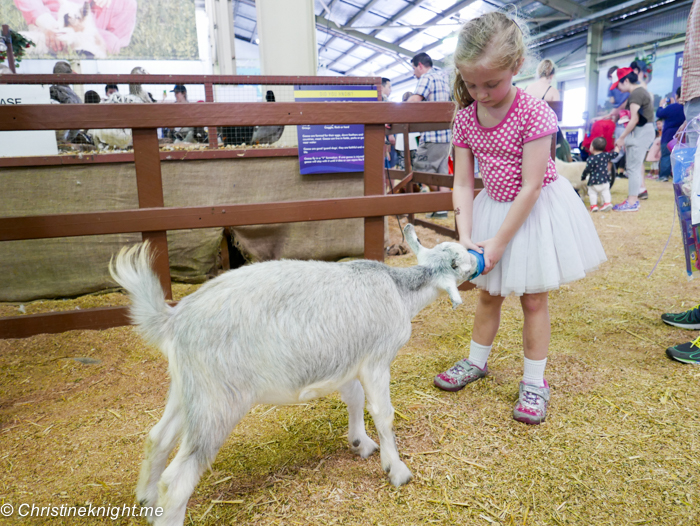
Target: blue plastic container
(480,264)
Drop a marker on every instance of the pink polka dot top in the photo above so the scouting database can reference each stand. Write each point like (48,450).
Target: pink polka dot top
(499,149)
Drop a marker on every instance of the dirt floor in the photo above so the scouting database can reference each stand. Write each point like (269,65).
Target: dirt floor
(621,444)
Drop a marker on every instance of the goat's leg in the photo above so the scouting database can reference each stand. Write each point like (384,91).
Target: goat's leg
(376,384)
(205,432)
(354,396)
(161,440)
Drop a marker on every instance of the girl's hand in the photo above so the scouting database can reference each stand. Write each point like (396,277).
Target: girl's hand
(470,245)
(493,252)
(620,143)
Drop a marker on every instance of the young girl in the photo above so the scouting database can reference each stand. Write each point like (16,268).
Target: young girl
(534,231)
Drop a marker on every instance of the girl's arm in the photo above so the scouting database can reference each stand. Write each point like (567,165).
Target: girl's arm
(634,119)
(535,158)
(463,195)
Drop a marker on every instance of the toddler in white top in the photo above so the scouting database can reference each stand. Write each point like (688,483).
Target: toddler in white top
(534,231)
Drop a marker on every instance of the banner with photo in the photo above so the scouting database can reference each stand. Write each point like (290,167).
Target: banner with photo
(102,29)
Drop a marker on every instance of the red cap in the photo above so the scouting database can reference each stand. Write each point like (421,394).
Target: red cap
(618,75)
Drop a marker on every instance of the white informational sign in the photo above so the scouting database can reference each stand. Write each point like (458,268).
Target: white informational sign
(26,143)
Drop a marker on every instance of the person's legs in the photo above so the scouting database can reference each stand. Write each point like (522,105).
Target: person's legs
(665,163)
(592,196)
(534,391)
(634,165)
(604,190)
(486,322)
(692,110)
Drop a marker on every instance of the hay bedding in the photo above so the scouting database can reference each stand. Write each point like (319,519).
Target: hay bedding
(620,446)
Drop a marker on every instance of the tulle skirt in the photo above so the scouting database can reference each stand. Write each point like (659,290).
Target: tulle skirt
(558,242)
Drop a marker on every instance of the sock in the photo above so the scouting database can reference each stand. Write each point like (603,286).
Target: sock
(479,354)
(534,372)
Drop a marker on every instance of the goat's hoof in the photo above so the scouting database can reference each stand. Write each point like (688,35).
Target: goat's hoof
(363,446)
(399,474)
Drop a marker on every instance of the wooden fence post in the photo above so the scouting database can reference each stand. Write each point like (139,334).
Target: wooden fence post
(374,185)
(211,130)
(150,189)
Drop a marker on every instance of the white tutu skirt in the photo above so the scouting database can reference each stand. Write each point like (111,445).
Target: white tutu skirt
(558,242)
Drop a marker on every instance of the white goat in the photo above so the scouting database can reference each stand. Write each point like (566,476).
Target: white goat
(573,172)
(279,332)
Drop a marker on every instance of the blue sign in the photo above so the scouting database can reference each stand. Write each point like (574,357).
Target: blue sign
(332,148)
(572,139)
(678,72)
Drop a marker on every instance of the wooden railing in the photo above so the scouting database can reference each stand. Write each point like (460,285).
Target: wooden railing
(153,219)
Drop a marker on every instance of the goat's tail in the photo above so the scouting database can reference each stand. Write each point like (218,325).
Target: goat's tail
(132,269)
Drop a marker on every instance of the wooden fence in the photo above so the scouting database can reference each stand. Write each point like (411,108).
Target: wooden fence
(152,219)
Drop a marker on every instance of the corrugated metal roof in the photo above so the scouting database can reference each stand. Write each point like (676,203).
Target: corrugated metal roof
(378,37)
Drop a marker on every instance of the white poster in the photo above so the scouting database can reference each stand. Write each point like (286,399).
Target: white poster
(26,143)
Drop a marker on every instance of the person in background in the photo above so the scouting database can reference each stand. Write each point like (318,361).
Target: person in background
(413,139)
(180,92)
(604,128)
(542,88)
(92,97)
(598,172)
(689,352)
(673,116)
(390,156)
(137,91)
(110,89)
(434,146)
(616,98)
(637,136)
(62,93)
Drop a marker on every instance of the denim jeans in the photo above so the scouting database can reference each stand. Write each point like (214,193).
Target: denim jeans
(665,162)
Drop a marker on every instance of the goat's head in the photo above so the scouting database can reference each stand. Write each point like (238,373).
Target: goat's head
(452,262)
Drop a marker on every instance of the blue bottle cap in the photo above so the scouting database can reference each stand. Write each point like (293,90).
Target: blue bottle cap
(480,264)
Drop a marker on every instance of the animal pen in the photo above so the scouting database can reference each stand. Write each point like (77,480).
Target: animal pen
(153,219)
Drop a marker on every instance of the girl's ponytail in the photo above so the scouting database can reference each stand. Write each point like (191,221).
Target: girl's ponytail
(460,94)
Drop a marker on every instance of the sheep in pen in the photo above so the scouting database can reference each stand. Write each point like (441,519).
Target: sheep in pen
(279,332)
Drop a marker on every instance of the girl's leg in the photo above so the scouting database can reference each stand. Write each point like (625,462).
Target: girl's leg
(487,318)
(536,326)
(534,390)
(486,322)
(592,196)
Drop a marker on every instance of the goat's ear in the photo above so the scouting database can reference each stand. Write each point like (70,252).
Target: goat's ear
(453,293)
(412,239)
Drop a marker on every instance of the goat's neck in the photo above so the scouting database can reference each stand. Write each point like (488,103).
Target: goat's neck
(418,285)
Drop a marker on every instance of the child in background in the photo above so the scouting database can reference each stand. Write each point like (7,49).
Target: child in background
(530,225)
(598,172)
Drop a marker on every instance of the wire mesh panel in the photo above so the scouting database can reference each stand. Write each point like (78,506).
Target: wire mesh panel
(157,89)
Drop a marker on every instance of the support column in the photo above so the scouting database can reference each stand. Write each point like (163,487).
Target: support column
(594,46)
(222,36)
(287,33)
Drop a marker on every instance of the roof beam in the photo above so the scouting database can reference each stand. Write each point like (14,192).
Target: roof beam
(583,22)
(383,44)
(568,7)
(391,20)
(442,16)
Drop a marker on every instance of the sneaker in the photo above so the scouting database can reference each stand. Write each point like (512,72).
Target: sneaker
(532,403)
(462,373)
(689,319)
(688,352)
(437,215)
(663,179)
(624,206)
(606,207)
(594,208)
(643,195)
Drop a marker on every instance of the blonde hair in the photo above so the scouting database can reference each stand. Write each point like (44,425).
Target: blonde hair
(496,35)
(545,68)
